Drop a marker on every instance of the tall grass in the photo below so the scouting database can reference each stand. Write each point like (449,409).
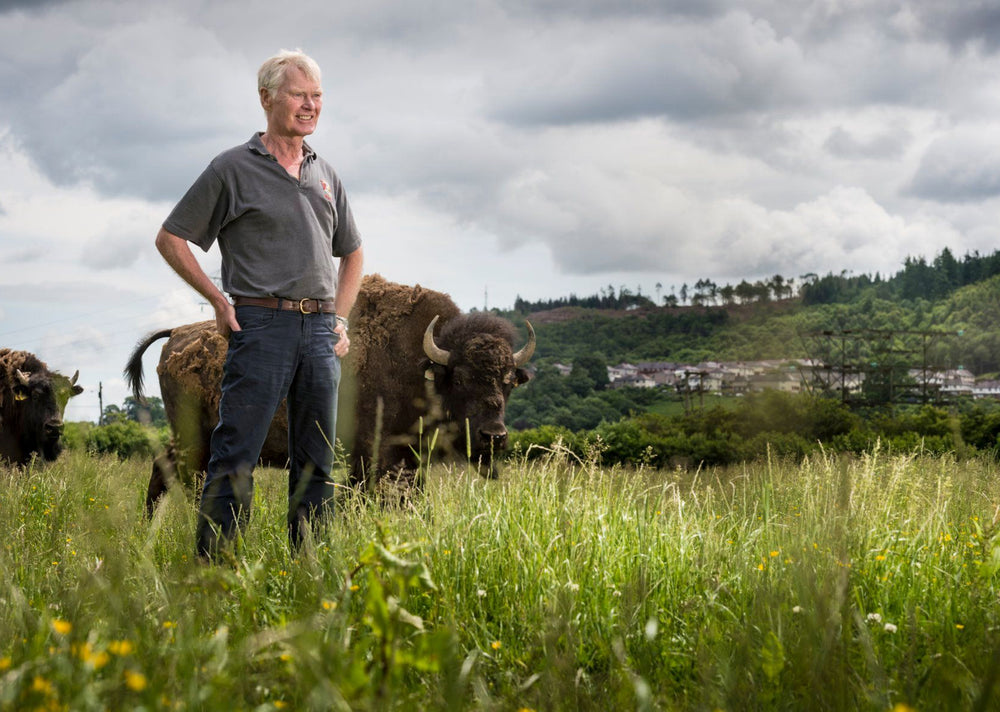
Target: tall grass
(833,583)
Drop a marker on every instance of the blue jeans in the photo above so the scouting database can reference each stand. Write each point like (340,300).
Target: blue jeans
(277,354)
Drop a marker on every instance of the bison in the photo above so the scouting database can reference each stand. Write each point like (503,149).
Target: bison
(410,381)
(400,381)
(32,402)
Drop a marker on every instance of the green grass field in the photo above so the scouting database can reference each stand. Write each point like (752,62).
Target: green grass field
(835,583)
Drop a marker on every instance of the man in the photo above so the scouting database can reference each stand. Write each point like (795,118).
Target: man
(280,215)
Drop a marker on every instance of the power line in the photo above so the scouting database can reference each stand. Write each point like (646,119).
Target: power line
(77,317)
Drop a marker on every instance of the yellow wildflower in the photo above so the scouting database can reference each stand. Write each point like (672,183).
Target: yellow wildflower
(120,647)
(40,684)
(135,681)
(5,663)
(496,645)
(62,627)
(98,660)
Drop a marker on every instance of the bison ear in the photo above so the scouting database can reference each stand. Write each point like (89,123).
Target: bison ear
(21,385)
(521,377)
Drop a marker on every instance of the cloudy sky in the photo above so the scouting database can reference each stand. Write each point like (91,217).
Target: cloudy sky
(494,148)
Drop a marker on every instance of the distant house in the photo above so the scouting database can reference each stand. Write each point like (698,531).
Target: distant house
(636,381)
(621,371)
(986,389)
(664,378)
(786,381)
(787,375)
(563,369)
(654,368)
(957,381)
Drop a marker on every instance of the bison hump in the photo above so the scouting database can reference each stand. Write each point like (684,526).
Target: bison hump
(391,315)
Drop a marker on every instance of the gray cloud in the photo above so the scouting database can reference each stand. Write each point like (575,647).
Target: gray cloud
(22,256)
(525,119)
(133,122)
(963,166)
(29,5)
(972,22)
(888,144)
(673,67)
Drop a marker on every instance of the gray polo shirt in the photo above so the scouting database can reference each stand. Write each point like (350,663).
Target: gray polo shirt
(277,235)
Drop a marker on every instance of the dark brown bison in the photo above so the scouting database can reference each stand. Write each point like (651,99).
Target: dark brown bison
(32,402)
(400,381)
(451,387)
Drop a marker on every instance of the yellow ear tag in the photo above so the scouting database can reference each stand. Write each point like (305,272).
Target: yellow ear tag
(20,397)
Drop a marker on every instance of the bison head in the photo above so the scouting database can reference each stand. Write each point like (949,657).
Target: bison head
(40,397)
(474,368)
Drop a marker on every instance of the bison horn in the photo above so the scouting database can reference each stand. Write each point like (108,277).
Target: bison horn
(434,352)
(76,375)
(23,377)
(527,351)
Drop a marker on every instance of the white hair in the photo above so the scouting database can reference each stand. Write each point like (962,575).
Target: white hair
(271,75)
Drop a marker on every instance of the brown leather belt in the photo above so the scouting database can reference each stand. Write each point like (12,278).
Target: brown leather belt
(303,306)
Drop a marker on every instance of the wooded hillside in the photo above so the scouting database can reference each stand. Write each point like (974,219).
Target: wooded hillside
(944,295)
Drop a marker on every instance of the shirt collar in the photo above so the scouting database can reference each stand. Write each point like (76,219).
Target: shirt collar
(257,146)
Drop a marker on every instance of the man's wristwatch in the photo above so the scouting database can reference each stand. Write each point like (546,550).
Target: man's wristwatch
(342,320)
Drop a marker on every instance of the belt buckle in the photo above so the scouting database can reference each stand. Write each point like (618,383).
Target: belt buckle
(302,306)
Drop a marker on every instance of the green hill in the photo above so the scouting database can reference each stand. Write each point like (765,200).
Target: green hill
(940,315)
(967,319)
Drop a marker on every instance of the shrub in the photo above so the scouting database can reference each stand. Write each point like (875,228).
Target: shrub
(75,435)
(535,441)
(125,439)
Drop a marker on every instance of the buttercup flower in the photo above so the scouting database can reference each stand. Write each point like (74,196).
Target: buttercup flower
(120,647)
(62,627)
(135,681)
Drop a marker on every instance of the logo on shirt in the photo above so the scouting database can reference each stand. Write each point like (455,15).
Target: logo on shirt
(326,190)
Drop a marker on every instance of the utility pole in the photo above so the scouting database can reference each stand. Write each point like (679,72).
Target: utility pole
(878,356)
(100,402)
